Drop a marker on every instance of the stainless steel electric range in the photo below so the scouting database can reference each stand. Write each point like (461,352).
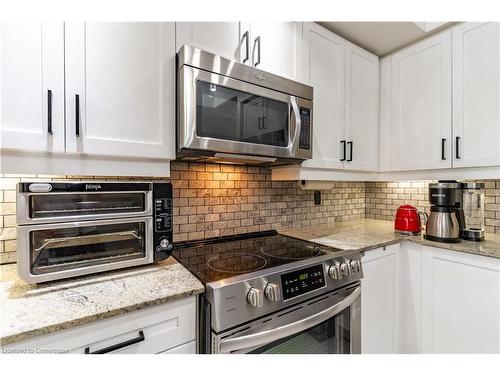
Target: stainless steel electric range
(269,293)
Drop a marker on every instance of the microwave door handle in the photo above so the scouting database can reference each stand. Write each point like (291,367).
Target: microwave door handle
(298,125)
(267,336)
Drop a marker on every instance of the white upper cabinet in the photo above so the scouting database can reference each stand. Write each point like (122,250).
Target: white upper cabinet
(476,94)
(361,108)
(220,38)
(120,96)
(421,105)
(32,86)
(323,68)
(385,134)
(275,47)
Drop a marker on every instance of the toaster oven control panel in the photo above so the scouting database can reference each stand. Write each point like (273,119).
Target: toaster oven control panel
(305,128)
(162,220)
(163,214)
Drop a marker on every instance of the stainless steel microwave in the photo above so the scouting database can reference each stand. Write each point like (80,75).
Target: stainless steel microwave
(67,229)
(232,112)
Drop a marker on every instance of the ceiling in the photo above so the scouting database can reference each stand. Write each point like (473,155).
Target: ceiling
(383,38)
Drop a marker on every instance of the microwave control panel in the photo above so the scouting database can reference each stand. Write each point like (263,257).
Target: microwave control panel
(162,220)
(303,281)
(305,128)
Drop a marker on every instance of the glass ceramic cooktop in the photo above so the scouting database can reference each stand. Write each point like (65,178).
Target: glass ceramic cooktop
(215,260)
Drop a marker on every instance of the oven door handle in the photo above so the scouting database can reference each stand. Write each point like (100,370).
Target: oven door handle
(265,337)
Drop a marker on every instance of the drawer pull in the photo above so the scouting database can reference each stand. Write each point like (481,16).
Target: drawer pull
(117,346)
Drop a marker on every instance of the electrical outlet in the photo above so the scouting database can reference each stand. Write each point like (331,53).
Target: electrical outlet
(317,197)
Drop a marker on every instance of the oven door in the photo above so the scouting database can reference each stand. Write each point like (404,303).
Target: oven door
(54,207)
(219,115)
(329,324)
(56,251)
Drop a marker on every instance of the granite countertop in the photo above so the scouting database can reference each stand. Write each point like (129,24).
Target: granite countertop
(28,311)
(368,234)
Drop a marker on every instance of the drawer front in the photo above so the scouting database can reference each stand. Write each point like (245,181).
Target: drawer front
(163,327)
(187,348)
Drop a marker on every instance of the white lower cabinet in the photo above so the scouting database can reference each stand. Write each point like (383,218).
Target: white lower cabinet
(187,348)
(420,299)
(460,302)
(410,298)
(167,328)
(380,300)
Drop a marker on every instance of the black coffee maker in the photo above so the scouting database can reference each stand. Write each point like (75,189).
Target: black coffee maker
(446,219)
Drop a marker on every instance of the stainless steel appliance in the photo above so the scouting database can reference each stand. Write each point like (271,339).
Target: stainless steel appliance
(67,229)
(473,206)
(268,293)
(232,112)
(446,219)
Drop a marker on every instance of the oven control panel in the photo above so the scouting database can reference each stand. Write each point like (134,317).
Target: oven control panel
(302,281)
(243,300)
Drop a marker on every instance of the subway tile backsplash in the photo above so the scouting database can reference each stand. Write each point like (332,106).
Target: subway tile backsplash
(383,198)
(217,199)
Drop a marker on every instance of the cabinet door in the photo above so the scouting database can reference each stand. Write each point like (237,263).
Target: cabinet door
(476,94)
(385,135)
(410,302)
(32,86)
(461,302)
(361,108)
(275,47)
(380,300)
(323,66)
(421,105)
(220,38)
(120,90)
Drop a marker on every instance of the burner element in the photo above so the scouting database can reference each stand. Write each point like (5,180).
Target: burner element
(237,263)
(291,252)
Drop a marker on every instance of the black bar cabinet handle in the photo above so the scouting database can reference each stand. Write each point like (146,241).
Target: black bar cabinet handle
(120,345)
(443,141)
(257,43)
(350,151)
(343,143)
(247,47)
(49,112)
(457,143)
(77,115)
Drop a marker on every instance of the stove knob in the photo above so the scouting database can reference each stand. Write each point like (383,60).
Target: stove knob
(334,272)
(355,266)
(345,268)
(255,297)
(272,292)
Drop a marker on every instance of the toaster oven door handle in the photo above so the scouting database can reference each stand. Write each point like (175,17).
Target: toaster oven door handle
(267,336)
(87,240)
(120,345)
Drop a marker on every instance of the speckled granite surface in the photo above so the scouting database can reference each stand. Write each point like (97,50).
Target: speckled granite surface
(369,234)
(29,311)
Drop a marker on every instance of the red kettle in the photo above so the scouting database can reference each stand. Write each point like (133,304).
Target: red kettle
(407,220)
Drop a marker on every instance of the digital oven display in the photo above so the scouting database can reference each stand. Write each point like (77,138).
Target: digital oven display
(302,281)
